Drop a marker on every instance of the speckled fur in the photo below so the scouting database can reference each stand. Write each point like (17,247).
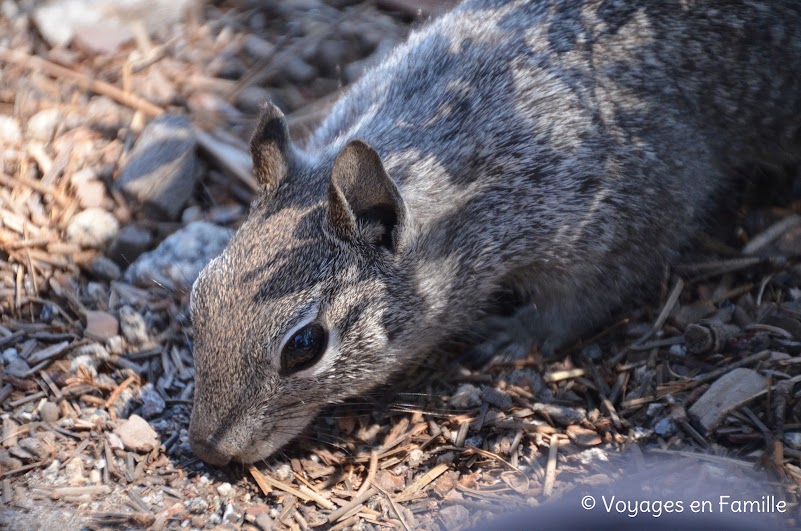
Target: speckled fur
(560,149)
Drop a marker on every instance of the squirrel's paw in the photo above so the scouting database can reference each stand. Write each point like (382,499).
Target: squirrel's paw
(503,339)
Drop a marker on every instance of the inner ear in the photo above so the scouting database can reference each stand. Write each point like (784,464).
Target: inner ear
(364,203)
(271,148)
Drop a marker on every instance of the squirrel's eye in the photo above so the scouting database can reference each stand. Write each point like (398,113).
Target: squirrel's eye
(304,348)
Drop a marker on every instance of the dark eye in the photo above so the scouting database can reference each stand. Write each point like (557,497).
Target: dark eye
(304,348)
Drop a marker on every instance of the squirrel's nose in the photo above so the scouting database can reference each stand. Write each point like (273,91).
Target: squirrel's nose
(207,449)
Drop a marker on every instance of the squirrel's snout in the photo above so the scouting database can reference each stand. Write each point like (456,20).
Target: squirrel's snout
(207,449)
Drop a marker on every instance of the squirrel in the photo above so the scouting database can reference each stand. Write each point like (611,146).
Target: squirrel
(560,150)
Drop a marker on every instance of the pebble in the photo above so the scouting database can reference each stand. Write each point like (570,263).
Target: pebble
(224,489)
(84,362)
(299,71)
(257,47)
(466,396)
(178,260)
(666,428)
(133,326)
(161,171)
(793,439)
(90,194)
(9,130)
(152,403)
(94,228)
(104,268)
(475,441)
(74,472)
(49,412)
(198,506)
(42,125)
(51,473)
(36,447)
(101,325)
(131,241)
(497,398)
(283,472)
(454,516)
(18,368)
(137,435)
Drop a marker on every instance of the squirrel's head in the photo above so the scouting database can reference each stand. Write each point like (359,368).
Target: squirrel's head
(295,314)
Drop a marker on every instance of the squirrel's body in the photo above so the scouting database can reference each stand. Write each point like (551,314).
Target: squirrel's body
(558,149)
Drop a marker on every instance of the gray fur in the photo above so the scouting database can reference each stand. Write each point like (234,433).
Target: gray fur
(561,149)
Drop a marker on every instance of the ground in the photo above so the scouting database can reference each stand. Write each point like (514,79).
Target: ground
(690,394)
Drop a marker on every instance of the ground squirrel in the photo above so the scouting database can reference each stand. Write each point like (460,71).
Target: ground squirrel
(558,149)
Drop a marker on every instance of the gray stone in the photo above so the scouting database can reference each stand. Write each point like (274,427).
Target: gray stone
(152,402)
(465,397)
(137,435)
(161,172)
(18,368)
(42,125)
(9,130)
(94,227)
(454,517)
(74,471)
(133,326)
(103,25)
(666,428)
(104,268)
(257,47)
(50,412)
(130,243)
(178,260)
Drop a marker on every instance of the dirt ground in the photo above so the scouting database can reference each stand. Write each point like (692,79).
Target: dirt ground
(124,169)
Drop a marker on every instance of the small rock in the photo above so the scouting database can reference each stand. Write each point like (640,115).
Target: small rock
(137,435)
(299,71)
(90,194)
(52,471)
(9,130)
(10,354)
(793,439)
(7,462)
(257,47)
(74,472)
(42,125)
(94,227)
(583,436)
(666,428)
(35,446)
(593,351)
(466,396)
(50,412)
(84,362)
(198,506)
(101,26)
(161,171)
(496,398)
(133,326)
(475,441)
(283,472)
(454,516)
(416,457)
(104,268)
(101,325)
(95,477)
(152,402)
(131,241)
(18,368)
(224,489)
(179,259)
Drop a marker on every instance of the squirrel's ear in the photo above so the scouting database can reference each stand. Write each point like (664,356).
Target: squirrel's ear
(363,202)
(270,148)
